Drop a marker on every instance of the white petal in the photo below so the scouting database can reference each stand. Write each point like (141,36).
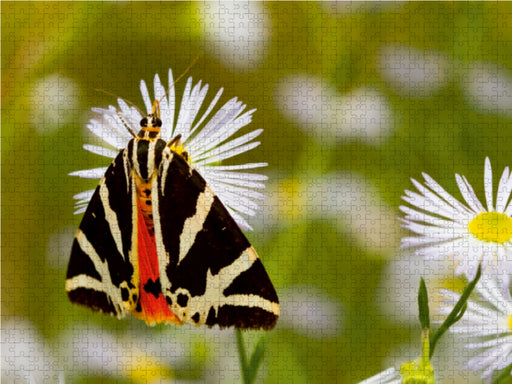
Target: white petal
(168,111)
(431,183)
(207,150)
(242,223)
(145,96)
(158,88)
(228,154)
(93,173)
(488,184)
(236,167)
(504,189)
(221,126)
(469,194)
(208,110)
(86,195)
(102,151)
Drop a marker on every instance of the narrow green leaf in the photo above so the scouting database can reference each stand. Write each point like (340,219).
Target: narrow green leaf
(423,305)
(256,359)
(456,313)
(504,377)
(250,368)
(243,356)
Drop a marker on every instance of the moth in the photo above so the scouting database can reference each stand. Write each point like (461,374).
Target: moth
(157,243)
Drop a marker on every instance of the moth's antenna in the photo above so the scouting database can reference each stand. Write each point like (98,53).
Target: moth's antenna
(125,100)
(119,113)
(125,125)
(183,74)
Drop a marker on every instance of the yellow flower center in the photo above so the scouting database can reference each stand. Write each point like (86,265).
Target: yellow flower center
(510,322)
(144,370)
(493,227)
(178,147)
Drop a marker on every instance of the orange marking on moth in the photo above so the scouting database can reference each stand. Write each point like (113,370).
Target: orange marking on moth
(144,202)
(154,309)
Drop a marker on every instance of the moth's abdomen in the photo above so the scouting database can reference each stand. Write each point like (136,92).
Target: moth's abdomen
(143,189)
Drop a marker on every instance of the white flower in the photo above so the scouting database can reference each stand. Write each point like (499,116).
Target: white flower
(413,72)
(237,33)
(471,233)
(346,199)
(89,351)
(488,324)
(329,117)
(25,357)
(322,317)
(207,142)
(389,376)
(54,102)
(489,88)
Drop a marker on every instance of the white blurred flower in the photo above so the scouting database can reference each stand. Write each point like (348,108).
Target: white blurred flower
(347,199)
(397,293)
(471,234)
(489,88)
(89,351)
(487,323)
(54,103)
(207,141)
(413,72)
(237,33)
(58,247)
(310,311)
(316,106)
(25,357)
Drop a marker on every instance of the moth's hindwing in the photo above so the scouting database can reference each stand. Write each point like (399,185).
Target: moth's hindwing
(209,273)
(102,272)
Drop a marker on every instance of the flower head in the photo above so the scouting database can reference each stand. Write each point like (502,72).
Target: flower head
(488,323)
(470,233)
(207,142)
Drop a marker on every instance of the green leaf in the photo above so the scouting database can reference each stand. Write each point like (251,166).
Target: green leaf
(456,313)
(504,377)
(250,368)
(423,305)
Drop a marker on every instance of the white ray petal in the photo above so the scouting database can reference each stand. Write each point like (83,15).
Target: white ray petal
(226,155)
(94,173)
(102,151)
(504,189)
(469,194)
(145,96)
(488,184)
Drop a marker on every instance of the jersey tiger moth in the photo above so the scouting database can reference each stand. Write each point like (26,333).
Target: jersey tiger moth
(157,243)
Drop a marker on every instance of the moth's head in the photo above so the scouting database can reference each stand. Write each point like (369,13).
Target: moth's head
(151,121)
(150,125)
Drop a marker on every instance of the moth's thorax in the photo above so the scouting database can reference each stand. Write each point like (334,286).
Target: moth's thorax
(145,156)
(144,159)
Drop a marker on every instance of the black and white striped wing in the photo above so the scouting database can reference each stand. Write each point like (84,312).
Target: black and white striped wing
(209,273)
(102,272)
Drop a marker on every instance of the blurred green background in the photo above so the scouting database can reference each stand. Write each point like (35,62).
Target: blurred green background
(354,98)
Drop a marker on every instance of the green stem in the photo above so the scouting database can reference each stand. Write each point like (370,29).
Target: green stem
(456,313)
(243,356)
(250,367)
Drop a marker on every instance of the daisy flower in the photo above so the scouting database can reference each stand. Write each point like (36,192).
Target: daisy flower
(470,233)
(488,323)
(207,142)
